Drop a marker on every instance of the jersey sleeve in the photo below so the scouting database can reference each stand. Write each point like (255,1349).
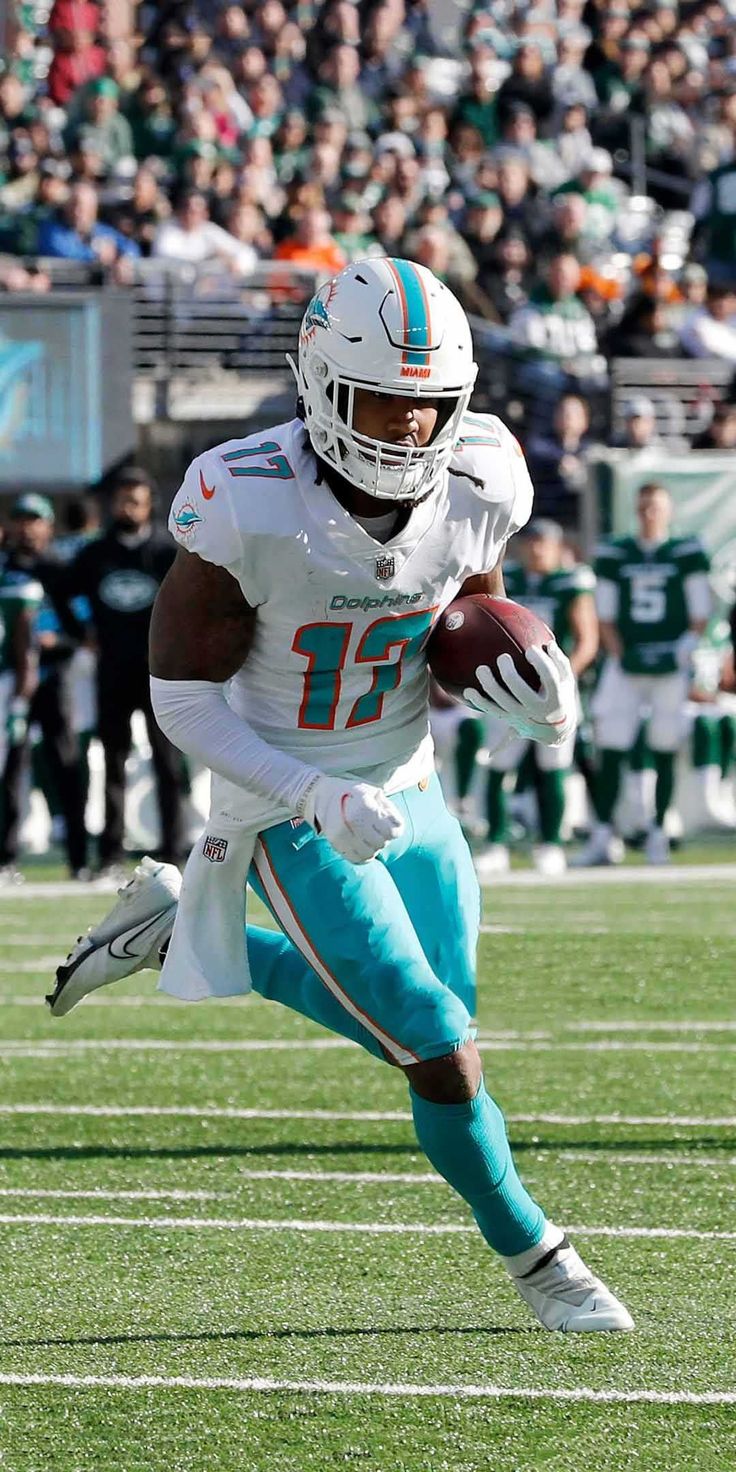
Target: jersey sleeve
(490,456)
(579,579)
(692,557)
(201,519)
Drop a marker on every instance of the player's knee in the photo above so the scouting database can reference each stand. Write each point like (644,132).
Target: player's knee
(452,1079)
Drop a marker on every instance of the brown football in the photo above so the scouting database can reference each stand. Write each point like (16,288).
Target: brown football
(475,630)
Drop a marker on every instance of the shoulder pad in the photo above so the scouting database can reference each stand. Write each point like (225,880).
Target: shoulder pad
(213,511)
(489,455)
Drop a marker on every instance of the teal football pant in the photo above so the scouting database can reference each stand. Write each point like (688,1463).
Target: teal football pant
(389,946)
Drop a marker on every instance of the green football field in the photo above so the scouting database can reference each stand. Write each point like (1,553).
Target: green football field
(222,1250)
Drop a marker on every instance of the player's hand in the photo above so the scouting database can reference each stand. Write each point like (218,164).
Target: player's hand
(357,819)
(549,714)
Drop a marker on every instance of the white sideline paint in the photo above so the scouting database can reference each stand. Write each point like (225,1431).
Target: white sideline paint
(298,1224)
(574,879)
(359,1116)
(402,1389)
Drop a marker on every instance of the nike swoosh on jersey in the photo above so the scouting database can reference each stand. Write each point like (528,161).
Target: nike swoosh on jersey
(125,954)
(207,491)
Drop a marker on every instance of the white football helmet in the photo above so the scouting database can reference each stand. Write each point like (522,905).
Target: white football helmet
(389,326)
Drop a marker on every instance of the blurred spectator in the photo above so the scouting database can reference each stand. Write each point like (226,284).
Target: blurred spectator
(312,245)
(640,425)
(77,57)
(647,330)
(120,573)
(139,217)
(527,83)
(557,461)
(31,555)
(710,331)
(555,324)
(191,237)
(339,88)
(389,223)
(352,224)
(103,125)
(74,233)
(16,277)
(517,195)
(721,432)
(508,275)
(714,207)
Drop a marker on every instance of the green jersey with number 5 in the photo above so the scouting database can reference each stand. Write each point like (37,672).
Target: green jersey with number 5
(651,608)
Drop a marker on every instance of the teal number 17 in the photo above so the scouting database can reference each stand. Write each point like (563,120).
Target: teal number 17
(326,646)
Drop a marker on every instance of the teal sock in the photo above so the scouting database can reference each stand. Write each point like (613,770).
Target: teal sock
(551,799)
(496,808)
(469,742)
(664,765)
(609,781)
(468,1145)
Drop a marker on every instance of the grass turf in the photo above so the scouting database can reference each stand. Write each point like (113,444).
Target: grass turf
(628,993)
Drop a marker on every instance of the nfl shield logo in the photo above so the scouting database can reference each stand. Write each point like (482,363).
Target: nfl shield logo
(385,567)
(215,849)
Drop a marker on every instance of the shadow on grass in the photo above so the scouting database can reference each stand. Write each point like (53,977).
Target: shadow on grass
(252,1336)
(346,1147)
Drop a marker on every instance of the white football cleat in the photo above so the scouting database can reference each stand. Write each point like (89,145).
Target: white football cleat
(566,1296)
(494,859)
(549,859)
(657,847)
(125,941)
(603,847)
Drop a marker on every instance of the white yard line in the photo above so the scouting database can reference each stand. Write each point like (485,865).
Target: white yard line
(299,1224)
(69,1048)
(97,1194)
(401,1389)
(359,1116)
(42,963)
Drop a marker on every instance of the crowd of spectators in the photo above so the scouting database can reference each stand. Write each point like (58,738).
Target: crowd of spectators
(567,166)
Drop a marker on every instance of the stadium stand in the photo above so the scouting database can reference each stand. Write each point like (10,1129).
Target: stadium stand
(568,167)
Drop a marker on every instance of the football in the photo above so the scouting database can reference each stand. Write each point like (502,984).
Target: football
(474,630)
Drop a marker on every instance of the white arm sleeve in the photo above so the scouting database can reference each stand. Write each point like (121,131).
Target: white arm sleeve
(698,596)
(606,600)
(196,717)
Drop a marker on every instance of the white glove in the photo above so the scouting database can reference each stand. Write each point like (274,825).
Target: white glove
(357,819)
(549,714)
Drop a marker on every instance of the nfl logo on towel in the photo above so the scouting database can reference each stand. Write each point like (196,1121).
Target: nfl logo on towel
(385,567)
(215,849)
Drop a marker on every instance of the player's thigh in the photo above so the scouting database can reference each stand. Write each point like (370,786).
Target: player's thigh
(509,750)
(555,758)
(434,874)
(350,923)
(616,708)
(667,718)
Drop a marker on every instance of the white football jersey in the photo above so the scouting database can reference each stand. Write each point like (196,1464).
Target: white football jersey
(337,675)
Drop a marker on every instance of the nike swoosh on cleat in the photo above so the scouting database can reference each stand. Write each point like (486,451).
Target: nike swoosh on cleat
(207,491)
(125,954)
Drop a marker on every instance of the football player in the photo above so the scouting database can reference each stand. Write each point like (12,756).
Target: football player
(288,654)
(654,601)
(563,597)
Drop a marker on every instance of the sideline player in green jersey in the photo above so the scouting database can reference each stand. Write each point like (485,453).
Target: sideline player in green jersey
(20,597)
(563,597)
(654,600)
